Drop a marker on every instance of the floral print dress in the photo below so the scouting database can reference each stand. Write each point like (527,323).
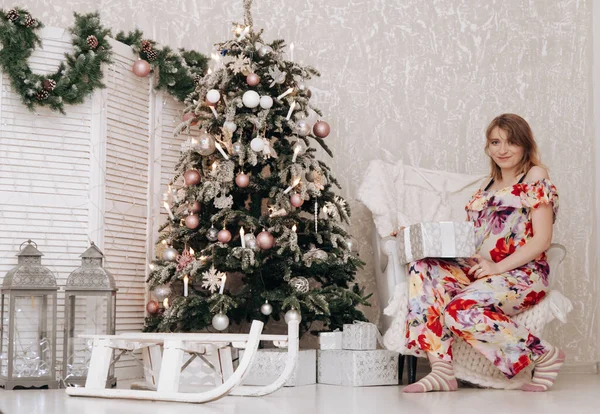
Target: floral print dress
(445,300)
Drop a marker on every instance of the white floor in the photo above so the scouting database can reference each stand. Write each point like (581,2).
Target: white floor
(573,394)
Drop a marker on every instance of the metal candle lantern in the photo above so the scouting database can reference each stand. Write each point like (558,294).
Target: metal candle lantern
(28,323)
(90,309)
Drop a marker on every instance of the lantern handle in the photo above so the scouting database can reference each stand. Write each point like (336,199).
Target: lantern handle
(28,241)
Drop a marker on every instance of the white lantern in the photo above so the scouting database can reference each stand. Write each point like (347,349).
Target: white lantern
(90,309)
(28,323)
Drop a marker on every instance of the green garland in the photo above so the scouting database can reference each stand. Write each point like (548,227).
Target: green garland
(70,83)
(178,73)
(82,73)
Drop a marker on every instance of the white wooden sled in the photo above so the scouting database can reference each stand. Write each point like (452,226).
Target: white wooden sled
(167,367)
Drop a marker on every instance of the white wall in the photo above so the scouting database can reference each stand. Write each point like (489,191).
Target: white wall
(419,81)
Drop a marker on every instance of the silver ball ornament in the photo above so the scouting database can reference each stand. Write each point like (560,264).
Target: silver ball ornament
(161,292)
(206,144)
(238,148)
(292,315)
(252,245)
(266,309)
(264,51)
(170,254)
(303,127)
(220,322)
(212,234)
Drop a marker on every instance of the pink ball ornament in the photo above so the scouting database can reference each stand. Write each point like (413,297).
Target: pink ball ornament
(224,236)
(242,180)
(253,79)
(321,129)
(192,221)
(187,117)
(191,177)
(265,240)
(296,200)
(141,68)
(195,207)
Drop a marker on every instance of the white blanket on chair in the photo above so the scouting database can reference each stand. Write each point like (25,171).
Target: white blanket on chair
(399,195)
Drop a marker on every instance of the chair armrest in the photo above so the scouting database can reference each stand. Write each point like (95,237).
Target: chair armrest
(389,247)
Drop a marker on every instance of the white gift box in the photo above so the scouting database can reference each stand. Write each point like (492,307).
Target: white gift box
(330,340)
(436,239)
(269,363)
(358,368)
(359,336)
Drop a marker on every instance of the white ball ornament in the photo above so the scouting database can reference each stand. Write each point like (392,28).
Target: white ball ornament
(266,102)
(170,254)
(292,316)
(257,144)
(213,96)
(230,126)
(220,322)
(251,99)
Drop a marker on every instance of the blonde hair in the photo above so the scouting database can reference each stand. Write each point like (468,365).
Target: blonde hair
(518,133)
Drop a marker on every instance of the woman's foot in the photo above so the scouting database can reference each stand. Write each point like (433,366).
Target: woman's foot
(441,378)
(545,371)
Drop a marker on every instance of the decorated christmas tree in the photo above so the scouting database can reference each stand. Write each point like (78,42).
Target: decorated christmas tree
(255,228)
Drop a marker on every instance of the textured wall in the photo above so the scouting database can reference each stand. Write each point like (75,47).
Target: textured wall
(419,81)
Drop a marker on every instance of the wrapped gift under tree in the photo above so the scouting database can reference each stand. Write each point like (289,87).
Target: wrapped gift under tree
(360,336)
(358,368)
(331,340)
(269,364)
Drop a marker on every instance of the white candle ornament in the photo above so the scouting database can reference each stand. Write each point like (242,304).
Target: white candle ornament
(220,148)
(242,237)
(223,280)
(166,205)
(286,93)
(296,151)
(292,51)
(214,111)
(289,114)
(294,228)
(166,303)
(186,281)
(294,184)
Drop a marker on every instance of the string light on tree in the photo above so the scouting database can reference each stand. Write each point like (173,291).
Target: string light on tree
(291,187)
(286,93)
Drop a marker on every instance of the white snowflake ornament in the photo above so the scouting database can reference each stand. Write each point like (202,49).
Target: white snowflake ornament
(212,279)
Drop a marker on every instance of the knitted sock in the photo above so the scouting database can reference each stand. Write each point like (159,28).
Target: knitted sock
(441,378)
(545,371)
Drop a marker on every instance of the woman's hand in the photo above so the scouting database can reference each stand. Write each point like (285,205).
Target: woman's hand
(484,267)
(397,231)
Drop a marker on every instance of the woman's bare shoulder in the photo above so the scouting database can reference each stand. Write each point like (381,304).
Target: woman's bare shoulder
(536,173)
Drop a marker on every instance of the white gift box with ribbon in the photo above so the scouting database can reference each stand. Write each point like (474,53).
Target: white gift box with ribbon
(358,368)
(442,239)
(331,340)
(362,336)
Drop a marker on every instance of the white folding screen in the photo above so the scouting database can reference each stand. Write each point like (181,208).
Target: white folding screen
(97,173)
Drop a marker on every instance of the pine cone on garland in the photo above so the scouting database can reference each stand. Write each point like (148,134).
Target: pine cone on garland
(152,55)
(42,95)
(12,15)
(30,21)
(49,84)
(146,45)
(92,41)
